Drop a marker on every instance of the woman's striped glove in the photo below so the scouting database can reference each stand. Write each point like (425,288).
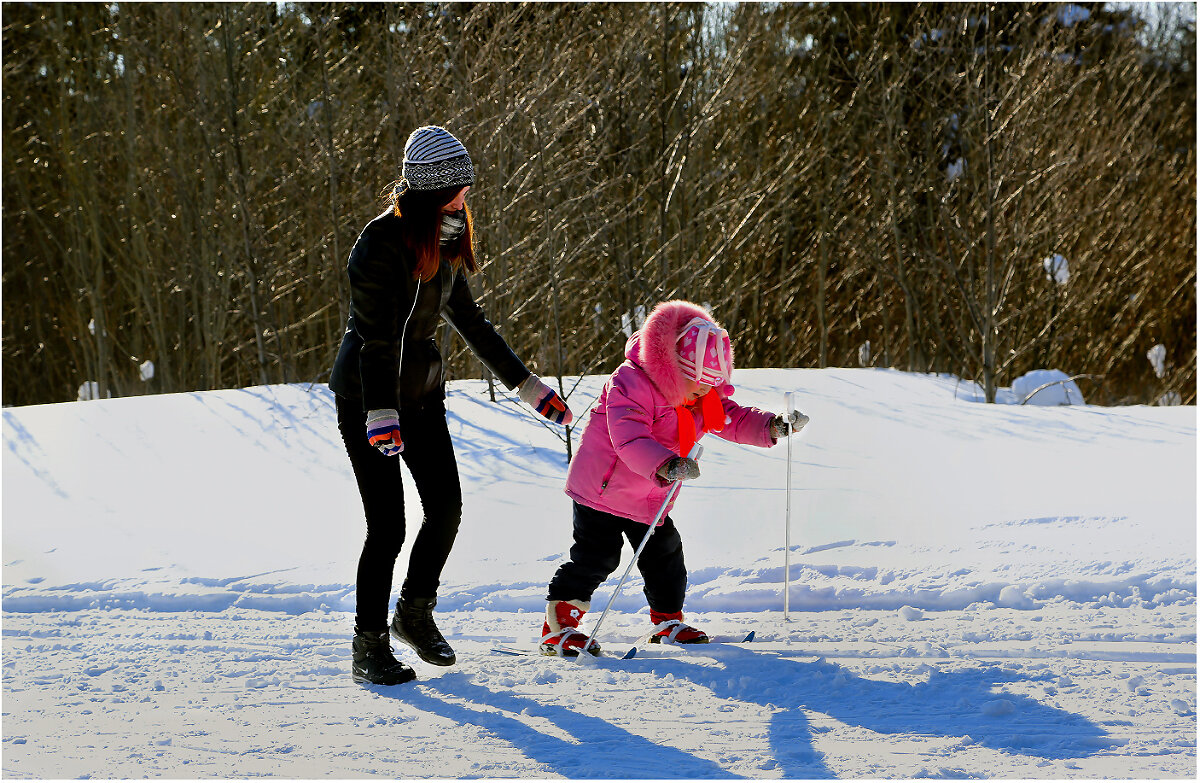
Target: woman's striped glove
(383,431)
(544,400)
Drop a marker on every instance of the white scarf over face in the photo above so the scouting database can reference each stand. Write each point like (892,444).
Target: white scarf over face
(453,226)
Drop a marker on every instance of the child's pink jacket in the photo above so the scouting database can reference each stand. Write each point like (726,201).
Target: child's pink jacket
(633,428)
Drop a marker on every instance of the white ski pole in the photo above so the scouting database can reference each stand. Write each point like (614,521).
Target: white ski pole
(787,517)
(694,454)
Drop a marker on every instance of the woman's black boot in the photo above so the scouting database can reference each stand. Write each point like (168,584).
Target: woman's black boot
(374,662)
(413,624)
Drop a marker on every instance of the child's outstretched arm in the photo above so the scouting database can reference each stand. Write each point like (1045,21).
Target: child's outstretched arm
(748,425)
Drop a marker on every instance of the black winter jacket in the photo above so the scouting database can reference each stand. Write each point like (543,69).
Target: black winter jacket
(384,296)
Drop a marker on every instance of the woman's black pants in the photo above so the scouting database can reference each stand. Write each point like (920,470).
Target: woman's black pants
(429,455)
(596,553)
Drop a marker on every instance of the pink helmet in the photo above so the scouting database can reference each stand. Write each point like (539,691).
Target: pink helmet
(703,338)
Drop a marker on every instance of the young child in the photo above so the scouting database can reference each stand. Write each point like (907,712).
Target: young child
(671,389)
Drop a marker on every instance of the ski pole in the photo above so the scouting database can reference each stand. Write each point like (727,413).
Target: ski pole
(694,454)
(787,518)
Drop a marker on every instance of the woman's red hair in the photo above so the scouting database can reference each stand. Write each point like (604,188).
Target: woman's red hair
(421,214)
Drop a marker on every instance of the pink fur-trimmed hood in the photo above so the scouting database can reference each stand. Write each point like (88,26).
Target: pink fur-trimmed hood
(654,349)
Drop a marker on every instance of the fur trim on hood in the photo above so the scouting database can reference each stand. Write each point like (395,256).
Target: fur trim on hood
(655,350)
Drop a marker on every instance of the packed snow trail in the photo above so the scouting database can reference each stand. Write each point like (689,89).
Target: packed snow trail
(131,694)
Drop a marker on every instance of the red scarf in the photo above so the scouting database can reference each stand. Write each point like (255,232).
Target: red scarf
(712,413)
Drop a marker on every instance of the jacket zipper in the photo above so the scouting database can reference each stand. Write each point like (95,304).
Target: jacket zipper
(608,476)
(404,330)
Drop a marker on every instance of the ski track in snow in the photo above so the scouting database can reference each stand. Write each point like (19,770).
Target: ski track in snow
(976,592)
(130,693)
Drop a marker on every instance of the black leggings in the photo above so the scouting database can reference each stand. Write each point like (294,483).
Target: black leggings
(429,455)
(596,553)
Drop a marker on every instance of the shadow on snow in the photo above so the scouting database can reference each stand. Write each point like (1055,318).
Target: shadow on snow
(963,705)
(600,750)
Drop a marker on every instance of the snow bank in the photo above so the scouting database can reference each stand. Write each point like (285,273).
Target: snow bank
(976,591)
(1046,387)
(903,496)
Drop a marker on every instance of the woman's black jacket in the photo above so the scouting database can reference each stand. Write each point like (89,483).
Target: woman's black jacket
(384,295)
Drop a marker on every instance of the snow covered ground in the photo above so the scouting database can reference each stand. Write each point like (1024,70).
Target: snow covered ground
(977,590)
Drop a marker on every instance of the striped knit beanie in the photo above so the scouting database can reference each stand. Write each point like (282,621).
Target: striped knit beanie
(434,159)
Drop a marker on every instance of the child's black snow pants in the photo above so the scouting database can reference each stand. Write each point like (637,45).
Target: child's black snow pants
(596,553)
(429,455)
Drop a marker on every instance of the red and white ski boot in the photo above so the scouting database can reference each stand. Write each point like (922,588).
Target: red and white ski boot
(560,632)
(672,628)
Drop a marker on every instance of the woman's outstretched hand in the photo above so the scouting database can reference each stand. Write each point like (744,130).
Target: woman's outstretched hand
(544,400)
(383,431)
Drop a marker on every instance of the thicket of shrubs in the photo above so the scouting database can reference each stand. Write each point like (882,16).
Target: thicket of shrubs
(968,188)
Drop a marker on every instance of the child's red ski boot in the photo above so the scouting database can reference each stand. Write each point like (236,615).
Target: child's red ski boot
(672,628)
(560,632)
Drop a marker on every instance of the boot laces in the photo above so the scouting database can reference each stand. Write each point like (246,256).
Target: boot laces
(421,621)
(380,652)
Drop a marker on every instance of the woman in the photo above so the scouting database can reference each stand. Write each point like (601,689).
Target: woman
(407,269)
